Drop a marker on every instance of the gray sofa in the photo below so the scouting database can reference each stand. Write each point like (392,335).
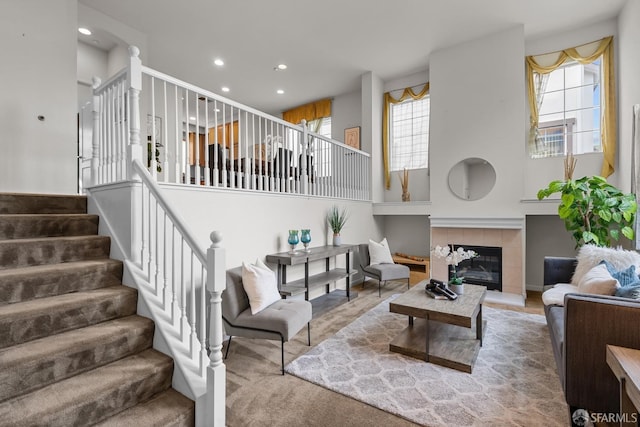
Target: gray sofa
(580,332)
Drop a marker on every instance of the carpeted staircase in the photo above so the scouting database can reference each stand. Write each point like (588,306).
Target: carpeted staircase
(73,352)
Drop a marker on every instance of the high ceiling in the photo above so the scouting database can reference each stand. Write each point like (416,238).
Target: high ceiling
(326,45)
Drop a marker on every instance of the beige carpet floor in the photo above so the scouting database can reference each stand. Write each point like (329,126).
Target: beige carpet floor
(258,395)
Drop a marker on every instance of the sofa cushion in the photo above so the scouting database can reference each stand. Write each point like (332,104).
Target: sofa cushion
(555,295)
(599,281)
(555,321)
(590,255)
(285,316)
(388,271)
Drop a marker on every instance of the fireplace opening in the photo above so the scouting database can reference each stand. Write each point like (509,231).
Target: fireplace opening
(485,269)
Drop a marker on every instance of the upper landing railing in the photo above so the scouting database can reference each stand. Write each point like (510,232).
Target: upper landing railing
(195,137)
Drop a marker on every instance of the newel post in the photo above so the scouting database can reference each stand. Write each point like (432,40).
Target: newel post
(216,371)
(134,151)
(304,178)
(95,135)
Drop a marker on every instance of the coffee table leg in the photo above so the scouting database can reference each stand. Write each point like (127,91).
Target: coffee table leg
(410,320)
(479,325)
(426,328)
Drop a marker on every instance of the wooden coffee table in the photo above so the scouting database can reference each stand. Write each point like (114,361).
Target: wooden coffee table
(442,331)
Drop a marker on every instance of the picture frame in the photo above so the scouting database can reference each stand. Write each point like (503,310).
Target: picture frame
(352,137)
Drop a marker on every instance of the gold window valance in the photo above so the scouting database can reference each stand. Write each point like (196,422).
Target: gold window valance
(311,111)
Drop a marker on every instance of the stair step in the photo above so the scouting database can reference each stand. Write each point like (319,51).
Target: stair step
(25,226)
(92,396)
(21,203)
(50,250)
(168,408)
(30,320)
(27,283)
(35,364)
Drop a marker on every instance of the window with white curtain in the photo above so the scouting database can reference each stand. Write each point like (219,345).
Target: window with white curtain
(569,105)
(409,134)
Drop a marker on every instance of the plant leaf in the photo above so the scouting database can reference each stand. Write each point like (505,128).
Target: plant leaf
(628,232)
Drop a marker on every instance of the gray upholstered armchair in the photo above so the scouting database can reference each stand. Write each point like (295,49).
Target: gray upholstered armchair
(282,320)
(382,272)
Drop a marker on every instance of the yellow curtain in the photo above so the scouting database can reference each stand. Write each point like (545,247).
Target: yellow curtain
(608,124)
(388,100)
(308,112)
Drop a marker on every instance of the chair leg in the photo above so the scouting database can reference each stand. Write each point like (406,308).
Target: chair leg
(379,287)
(282,353)
(309,332)
(226,353)
(408,283)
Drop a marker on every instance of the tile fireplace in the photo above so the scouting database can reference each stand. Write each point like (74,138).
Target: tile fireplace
(506,235)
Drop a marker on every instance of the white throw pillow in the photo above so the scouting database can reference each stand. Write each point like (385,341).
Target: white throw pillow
(599,281)
(590,255)
(379,253)
(259,283)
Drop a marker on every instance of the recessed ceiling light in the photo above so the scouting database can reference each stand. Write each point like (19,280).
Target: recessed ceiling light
(219,62)
(282,66)
(192,118)
(279,91)
(217,110)
(85,31)
(225,89)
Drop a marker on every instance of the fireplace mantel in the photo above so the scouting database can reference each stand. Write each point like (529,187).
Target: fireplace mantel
(514,223)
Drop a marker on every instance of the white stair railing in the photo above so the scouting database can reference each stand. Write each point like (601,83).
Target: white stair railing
(180,276)
(196,137)
(169,268)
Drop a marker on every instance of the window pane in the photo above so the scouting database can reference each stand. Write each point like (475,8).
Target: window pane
(569,111)
(409,134)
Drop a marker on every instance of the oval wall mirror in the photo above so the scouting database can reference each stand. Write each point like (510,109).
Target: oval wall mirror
(472,178)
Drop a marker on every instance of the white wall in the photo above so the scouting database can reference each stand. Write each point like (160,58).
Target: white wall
(408,234)
(628,85)
(255,224)
(477,110)
(38,78)
(346,112)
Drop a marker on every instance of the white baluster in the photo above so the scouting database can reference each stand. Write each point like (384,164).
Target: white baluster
(216,371)
(95,136)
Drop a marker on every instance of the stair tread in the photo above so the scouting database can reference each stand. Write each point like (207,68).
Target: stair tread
(16,253)
(32,365)
(42,203)
(29,320)
(39,281)
(44,268)
(87,396)
(53,238)
(82,298)
(166,408)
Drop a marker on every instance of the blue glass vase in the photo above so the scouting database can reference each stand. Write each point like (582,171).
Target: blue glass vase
(293,239)
(305,238)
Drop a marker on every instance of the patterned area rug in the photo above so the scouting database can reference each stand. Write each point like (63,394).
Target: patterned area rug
(514,381)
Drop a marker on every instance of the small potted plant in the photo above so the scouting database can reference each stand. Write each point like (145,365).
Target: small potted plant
(336,219)
(453,258)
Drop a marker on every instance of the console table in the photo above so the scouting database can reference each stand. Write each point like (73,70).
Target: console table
(283,259)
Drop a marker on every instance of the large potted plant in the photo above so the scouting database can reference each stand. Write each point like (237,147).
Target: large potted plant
(593,210)
(336,219)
